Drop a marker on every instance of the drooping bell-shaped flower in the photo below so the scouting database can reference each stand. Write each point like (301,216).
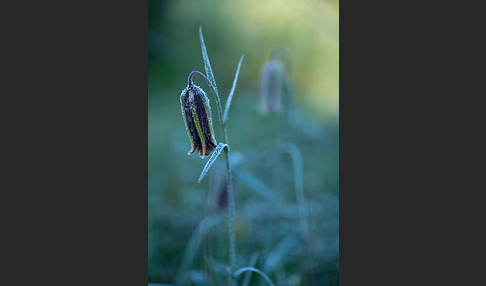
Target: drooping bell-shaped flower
(272,81)
(196,112)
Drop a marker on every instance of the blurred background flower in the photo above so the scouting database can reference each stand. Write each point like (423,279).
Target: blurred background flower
(266,209)
(272,81)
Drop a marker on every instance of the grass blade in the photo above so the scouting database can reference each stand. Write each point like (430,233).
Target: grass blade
(254,183)
(194,245)
(283,247)
(230,96)
(241,270)
(253,261)
(207,64)
(211,160)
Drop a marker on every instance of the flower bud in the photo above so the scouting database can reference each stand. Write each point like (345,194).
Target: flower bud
(197,118)
(272,80)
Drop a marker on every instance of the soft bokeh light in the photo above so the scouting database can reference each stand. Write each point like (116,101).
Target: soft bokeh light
(308,30)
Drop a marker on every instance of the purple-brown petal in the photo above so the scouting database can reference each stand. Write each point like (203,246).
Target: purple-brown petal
(201,113)
(190,123)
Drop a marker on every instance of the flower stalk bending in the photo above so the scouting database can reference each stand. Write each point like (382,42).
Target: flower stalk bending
(197,116)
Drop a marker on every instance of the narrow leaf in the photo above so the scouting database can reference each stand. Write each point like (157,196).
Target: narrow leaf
(207,64)
(211,160)
(194,245)
(253,261)
(253,182)
(230,96)
(244,269)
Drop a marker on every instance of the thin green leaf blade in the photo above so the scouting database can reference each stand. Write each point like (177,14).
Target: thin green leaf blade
(265,276)
(230,96)
(211,160)
(253,261)
(207,64)
(254,183)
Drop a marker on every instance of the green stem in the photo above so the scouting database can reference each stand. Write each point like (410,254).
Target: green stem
(231,199)
(231,213)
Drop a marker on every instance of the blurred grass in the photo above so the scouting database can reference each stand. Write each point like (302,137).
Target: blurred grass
(266,218)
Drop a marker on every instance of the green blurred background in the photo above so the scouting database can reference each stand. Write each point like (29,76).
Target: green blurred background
(187,224)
